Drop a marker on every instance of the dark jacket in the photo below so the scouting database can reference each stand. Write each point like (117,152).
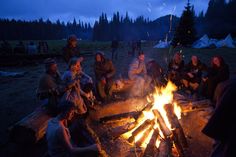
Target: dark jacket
(217,75)
(222,126)
(105,69)
(69,52)
(176,67)
(196,71)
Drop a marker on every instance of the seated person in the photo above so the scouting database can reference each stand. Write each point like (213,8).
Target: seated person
(104,73)
(193,74)
(218,72)
(221,126)
(59,139)
(155,71)
(138,73)
(50,87)
(175,69)
(72,79)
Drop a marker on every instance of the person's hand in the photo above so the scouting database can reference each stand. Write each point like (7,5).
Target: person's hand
(190,75)
(103,80)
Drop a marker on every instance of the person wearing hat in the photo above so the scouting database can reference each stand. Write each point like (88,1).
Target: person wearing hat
(50,86)
(59,139)
(71,49)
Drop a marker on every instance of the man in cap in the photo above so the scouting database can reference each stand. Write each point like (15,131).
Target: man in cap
(71,49)
(50,85)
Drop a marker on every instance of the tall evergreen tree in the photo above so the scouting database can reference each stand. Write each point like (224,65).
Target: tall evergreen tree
(185,33)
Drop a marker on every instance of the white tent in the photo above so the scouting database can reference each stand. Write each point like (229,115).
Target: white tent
(203,42)
(162,44)
(227,42)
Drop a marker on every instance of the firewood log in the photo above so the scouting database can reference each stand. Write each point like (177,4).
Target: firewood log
(176,125)
(139,129)
(151,149)
(30,129)
(165,130)
(145,135)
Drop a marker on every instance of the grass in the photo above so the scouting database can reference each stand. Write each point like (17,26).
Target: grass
(55,46)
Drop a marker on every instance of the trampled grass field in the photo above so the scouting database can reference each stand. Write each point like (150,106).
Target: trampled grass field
(18,94)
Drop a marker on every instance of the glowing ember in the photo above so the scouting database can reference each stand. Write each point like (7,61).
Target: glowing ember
(177,110)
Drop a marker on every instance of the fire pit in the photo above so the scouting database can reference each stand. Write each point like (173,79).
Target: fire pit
(140,127)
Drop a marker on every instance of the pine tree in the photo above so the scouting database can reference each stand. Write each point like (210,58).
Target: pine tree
(185,33)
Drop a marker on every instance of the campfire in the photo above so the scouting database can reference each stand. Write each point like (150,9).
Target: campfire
(144,127)
(157,130)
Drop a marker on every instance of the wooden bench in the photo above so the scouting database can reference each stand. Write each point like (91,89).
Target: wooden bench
(30,129)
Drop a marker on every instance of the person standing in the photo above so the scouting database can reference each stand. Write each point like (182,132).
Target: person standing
(114,47)
(71,49)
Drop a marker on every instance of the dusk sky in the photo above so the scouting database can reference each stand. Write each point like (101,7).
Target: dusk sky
(89,10)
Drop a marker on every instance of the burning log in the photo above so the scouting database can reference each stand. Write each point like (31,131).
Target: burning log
(196,105)
(145,134)
(143,126)
(147,107)
(177,142)
(178,133)
(176,125)
(118,116)
(151,149)
(166,131)
(165,148)
(116,132)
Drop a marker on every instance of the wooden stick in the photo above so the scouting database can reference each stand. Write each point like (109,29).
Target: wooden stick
(178,145)
(166,131)
(145,134)
(176,125)
(118,116)
(151,149)
(165,148)
(139,129)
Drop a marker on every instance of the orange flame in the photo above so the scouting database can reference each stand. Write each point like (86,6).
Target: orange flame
(162,96)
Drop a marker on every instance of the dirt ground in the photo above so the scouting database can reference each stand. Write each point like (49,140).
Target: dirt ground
(18,94)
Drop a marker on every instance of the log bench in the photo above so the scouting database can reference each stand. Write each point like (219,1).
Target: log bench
(30,129)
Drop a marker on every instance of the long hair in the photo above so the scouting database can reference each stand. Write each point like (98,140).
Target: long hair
(221,60)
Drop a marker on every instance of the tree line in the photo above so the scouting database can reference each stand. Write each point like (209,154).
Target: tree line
(217,22)
(42,30)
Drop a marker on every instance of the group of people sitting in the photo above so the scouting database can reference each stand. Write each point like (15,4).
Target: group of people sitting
(72,95)
(197,78)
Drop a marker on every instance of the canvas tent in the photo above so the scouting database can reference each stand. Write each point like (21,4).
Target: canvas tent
(203,42)
(227,42)
(162,44)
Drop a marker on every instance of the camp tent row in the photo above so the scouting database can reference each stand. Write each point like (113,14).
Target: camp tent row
(162,44)
(206,42)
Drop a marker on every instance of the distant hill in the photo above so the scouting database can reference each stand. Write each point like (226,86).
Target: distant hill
(161,26)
